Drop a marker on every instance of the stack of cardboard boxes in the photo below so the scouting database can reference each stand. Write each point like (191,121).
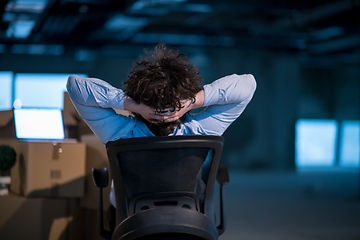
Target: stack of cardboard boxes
(52,195)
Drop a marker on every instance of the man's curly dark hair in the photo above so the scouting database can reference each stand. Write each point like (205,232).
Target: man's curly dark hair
(162,79)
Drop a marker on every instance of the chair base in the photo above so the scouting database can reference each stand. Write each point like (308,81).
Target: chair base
(166,220)
(170,236)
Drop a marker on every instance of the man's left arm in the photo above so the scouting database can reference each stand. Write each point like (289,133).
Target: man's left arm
(224,101)
(95,101)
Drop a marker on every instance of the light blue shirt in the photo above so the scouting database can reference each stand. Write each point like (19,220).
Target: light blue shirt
(95,100)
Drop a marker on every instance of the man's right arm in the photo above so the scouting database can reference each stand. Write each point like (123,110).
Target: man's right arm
(95,100)
(94,92)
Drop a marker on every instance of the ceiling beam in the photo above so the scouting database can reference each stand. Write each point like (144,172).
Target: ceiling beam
(301,19)
(335,45)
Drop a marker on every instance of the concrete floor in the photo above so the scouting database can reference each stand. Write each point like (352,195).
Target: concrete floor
(312,205)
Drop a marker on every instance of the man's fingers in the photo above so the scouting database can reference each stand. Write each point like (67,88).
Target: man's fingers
(159,119)
(163,114)
(166,113)
(171,119)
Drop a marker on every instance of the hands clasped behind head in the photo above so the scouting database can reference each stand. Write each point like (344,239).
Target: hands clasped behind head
(164,115)
(172,113)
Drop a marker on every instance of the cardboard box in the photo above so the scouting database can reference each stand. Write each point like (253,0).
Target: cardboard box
(49,169)
(33,218)
(92,225)
(74,125)
(70,115)
(7,125)
(10,142)
(77,228)
(96,157)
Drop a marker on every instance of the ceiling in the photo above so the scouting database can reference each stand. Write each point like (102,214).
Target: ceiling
(316,27)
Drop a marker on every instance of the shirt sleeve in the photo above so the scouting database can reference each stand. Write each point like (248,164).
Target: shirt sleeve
(225,99)
(95,101)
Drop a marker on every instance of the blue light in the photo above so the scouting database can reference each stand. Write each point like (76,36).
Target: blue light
(6,80)
(195,7)
(32,6)
(188,39)
(41,90)
(127,26)
(120,21)
(39,123)
(141,4)
(37,49)
(349,144)
(315,143)
(20,29)
(2,48)
(327,33)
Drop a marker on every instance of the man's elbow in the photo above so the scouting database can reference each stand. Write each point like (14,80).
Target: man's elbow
(71,82)
(252,81)
(251,86)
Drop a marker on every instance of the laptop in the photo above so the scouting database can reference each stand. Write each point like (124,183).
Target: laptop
(39,124)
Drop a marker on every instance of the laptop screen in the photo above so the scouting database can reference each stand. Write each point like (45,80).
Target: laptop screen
(37,123)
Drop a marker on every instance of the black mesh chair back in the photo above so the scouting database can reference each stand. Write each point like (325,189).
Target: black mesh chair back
(164,186)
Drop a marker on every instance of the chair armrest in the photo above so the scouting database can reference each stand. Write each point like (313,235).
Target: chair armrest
(222,176)
(101,180)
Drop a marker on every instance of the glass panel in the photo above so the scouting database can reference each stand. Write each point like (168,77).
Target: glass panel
(40,90)
(315,143)
(349,145)
(6,79)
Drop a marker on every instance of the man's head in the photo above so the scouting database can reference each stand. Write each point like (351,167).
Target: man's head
(162,79)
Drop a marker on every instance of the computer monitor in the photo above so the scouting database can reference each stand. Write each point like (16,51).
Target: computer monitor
(38,123)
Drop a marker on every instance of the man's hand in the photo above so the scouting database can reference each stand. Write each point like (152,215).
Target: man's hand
(164,115)
(172,114)
(153,116)
(148,113)
(188,105)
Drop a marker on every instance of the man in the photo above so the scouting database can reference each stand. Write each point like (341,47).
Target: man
(160,90)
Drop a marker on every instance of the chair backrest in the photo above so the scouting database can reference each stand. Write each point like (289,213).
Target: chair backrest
(151,170)
(163,167)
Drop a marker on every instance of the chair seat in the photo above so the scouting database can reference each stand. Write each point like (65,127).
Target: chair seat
(166,220)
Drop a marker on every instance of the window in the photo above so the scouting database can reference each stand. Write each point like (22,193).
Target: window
(349,144)
(315,143)
(6,81)
(40,90)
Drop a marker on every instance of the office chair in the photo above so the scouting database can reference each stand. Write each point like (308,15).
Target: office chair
(164,187)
